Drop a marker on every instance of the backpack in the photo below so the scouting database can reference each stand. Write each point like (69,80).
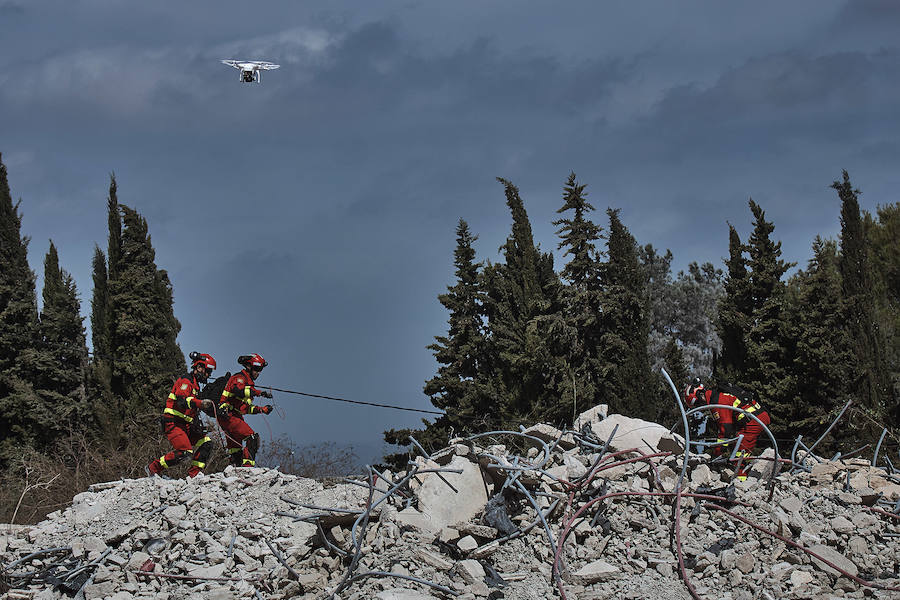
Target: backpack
(213,390)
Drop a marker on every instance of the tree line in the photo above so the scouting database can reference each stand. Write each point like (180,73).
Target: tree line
(526,343)
(50,385)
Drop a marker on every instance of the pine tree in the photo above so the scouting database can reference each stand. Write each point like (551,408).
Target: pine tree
(62,367)
(581,298)
(626,380)
(870,372)
(147,356)
(21,417)
(734,312)
(769,338)
(458,387)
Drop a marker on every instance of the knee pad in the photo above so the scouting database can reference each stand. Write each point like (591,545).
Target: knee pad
(253,445)
(203,453)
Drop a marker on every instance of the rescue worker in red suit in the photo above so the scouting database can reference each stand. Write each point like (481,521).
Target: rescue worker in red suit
(731,424)
(237,401)
(181,422)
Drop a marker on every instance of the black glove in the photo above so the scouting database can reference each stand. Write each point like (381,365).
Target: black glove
(266,409)
(265,394)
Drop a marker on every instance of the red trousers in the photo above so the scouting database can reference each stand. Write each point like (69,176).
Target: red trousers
(185,439)
(236,431)
(751,431)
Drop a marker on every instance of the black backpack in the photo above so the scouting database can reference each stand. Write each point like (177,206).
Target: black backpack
(213,390)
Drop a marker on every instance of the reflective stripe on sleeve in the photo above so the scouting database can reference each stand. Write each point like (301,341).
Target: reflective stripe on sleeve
(175,413)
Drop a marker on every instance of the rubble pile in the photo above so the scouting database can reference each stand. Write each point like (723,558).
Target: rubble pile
(520,515)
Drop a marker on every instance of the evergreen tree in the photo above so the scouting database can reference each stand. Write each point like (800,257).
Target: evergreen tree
(100,337)
(458,388)
(885,261)
(626,381)
(62,365)
(146,355)
(581,298)
(522,308)
(735,309)
(21,412)
(108,413)
(870,373)
(769,338)
(821,357)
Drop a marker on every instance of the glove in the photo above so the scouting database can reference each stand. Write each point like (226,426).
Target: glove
(266,409)
(207,406)
(265,394)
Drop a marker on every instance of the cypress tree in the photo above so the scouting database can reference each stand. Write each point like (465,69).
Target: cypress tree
(885,261)
(521,305)
(61,374)
(108,413)
(627,383)
(21,414)
(769,338)
(869,375)
(822,355)
(100,337)
(734,311)
(147,356)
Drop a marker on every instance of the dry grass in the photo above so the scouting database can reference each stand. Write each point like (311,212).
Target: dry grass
(42,482)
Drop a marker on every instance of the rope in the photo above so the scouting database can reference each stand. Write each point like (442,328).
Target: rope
(335,399)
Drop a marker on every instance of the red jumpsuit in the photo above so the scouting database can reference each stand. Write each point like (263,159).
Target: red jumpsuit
(732,423)
(237,401)
(181,424)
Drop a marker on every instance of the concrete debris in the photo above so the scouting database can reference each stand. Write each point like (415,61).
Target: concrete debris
(563,521)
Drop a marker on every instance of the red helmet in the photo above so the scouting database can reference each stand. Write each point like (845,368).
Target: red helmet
(206,360)
(252,361)
(690,394)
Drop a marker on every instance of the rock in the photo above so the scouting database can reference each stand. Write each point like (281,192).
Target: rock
(590,416)
(442,505)
(467,543)
(745,563)
(701,475)
(550,434)
(95,591)
(840,524)
(800,578)
(832,555)
(632,433)
(401,594)
(594,572)
(470,570)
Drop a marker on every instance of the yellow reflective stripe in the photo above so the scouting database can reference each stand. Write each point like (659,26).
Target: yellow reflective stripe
(234,450)
(197,463)
(175,413)
(224,407)
(736,402)
(227,394)
(190,399)
(247,461)
(201,441)
(162,461)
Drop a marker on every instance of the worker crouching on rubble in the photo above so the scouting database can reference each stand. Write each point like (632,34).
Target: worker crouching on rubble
(237,401)
(181,422)
(731,423)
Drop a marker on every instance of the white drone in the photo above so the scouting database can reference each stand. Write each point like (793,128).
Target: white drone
(250,68)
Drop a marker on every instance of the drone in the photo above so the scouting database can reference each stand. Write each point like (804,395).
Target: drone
(250,68)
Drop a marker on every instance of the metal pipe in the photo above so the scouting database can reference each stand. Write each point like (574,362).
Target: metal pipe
(878,447)
(687,431)
(833,423)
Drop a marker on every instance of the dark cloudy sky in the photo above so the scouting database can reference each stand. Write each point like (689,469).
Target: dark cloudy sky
(334,187)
